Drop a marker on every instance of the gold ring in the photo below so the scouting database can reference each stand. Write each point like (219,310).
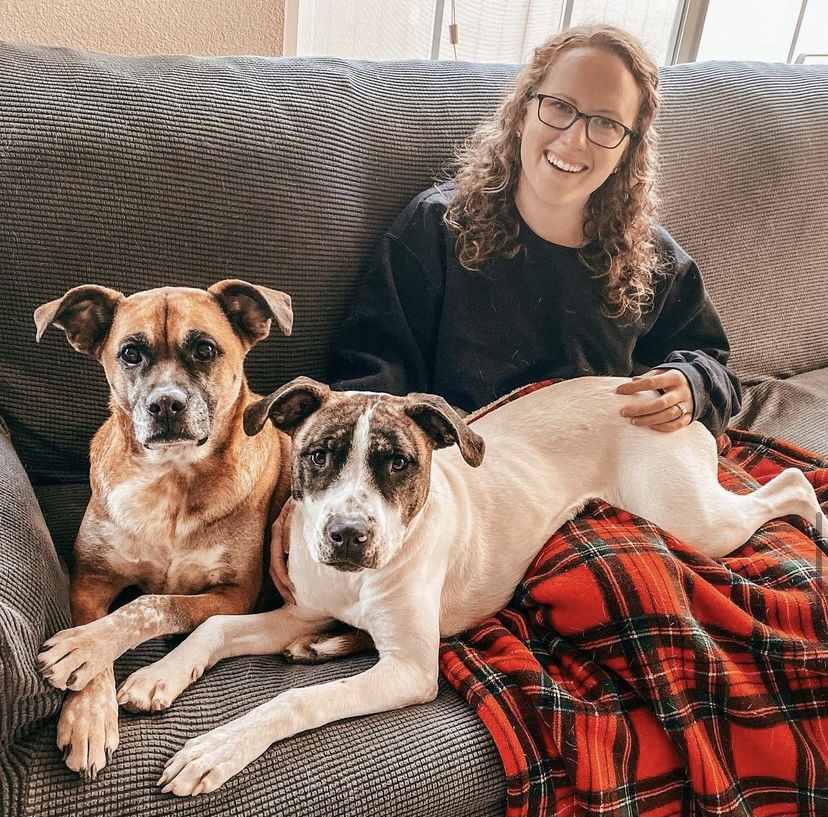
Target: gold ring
(681,408)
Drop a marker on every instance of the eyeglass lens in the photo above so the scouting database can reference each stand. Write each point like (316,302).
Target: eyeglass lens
(559,114)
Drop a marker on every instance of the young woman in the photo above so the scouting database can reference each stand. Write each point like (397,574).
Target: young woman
(541,259)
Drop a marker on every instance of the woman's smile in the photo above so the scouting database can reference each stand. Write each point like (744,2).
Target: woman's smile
(561,164)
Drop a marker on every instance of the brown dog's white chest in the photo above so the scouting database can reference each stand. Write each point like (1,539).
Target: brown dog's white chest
(162,539)
(155,504)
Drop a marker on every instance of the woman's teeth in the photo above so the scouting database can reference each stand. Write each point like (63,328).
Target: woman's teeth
(560,164)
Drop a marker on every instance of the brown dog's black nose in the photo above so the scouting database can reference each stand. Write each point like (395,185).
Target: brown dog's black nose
(166,404)
(349,536)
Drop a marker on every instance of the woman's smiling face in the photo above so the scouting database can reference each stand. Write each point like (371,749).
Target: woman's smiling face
(560,169)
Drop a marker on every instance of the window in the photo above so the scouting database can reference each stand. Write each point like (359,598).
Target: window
(507,30)
(774,31)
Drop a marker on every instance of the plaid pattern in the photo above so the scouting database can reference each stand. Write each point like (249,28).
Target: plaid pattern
(631,675)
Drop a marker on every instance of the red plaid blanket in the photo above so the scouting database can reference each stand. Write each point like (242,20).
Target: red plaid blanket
(631,675)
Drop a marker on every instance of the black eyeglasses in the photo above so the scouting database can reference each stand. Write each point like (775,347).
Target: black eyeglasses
(600,130)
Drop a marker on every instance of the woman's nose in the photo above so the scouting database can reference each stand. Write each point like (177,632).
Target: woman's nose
(576,133)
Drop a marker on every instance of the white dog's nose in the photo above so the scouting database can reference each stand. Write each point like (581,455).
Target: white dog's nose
(348,537)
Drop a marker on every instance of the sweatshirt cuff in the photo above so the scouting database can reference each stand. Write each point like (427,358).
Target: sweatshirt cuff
(701,399)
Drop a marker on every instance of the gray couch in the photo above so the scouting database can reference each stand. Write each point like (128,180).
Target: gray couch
(139,172)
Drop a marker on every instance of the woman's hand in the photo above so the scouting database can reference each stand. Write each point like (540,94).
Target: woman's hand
(669,411)
(279,549)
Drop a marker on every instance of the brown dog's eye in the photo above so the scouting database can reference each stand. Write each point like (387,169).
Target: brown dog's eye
(131,355)
(205,351)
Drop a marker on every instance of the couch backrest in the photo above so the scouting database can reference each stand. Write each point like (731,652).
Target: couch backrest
(136,172)
(142,172)
(744,167)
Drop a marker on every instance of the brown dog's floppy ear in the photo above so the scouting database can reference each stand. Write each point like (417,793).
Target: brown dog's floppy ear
(445,426)
(251,308)
(288,407)
(85,313)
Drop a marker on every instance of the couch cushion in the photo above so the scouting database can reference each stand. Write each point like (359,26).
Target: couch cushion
(795,409)
(434,759)
(33,602)
(744,148)
(142,171)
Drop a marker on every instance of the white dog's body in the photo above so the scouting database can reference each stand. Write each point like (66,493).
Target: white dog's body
(409,576)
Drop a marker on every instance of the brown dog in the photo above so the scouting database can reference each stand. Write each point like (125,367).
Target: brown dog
(181,498)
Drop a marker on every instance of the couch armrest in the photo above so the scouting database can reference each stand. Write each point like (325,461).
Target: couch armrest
(34,599)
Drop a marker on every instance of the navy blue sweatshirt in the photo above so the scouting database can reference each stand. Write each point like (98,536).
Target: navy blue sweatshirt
(422,322)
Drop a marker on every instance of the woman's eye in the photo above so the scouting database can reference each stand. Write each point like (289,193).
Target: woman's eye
(205,351)
(319,457)
(398,463)
(605,124)
(131,355)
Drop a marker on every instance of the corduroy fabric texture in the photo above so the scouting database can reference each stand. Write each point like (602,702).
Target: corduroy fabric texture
(743,147)
(33,598)
(416,761)
(791,408)
(630,675)
(33,604)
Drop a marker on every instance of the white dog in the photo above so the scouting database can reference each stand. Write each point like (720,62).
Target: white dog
(410,544)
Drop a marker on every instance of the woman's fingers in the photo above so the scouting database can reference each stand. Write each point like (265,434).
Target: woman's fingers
(279,549)
(669,409)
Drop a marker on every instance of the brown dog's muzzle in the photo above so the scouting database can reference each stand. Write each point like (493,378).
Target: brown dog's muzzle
(169,417)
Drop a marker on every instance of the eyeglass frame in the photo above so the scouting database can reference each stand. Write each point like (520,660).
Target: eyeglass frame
(628,132)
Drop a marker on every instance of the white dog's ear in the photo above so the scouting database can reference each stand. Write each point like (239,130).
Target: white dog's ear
(250,309)
(445,426)
(85,313)
(288,407)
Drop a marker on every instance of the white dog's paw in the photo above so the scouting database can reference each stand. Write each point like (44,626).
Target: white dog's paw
(87,731)
(318,648)
(145,693)
(314,649)
(154,688)
(72,658)
(205,763)
(803,500)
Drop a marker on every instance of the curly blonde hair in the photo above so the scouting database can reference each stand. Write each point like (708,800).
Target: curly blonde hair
(620,214)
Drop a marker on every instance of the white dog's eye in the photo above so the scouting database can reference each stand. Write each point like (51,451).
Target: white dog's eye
(399,463)
(319,457)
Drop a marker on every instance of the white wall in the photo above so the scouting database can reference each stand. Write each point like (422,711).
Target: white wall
(148,26)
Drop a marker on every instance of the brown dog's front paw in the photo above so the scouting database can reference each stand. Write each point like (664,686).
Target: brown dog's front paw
(71,658)
(87,732)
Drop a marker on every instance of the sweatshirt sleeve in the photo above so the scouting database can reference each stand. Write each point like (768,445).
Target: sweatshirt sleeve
(688,335)
(387,340)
